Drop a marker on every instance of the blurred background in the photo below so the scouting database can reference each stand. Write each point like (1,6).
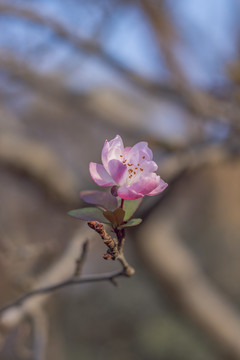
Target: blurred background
(72,74)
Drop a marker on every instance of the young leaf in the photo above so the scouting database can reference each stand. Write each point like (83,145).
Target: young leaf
(115,217)
(101,198)
(130,207)
(132,222)
(89,214)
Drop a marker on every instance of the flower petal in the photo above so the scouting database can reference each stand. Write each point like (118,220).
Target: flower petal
(112,150)
(148,166)
(160,188)
(117,171)
(100,175)
(126,151)
(140,151)
(125,193)
(145,184)
(105,151)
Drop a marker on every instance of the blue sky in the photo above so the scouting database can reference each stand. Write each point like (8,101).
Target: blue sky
(208,29)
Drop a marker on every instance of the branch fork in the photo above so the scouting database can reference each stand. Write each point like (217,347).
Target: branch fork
(115,246)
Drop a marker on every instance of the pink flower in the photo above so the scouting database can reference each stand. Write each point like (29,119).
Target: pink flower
(130,168)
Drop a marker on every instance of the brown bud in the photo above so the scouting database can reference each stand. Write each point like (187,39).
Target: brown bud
(107,256)
(95,225)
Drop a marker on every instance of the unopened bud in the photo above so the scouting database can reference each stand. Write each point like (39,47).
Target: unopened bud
(107,256)
(114,189)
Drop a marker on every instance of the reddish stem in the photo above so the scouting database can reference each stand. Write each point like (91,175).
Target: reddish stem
(122,201)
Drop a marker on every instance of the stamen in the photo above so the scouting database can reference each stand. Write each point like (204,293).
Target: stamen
(141,169)
(143,157)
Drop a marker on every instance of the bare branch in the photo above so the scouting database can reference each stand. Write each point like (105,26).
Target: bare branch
(81,259)
(176,268)
(56,273)
(63,284)
(38,162)
(115,247)
(74,280)
(166,35)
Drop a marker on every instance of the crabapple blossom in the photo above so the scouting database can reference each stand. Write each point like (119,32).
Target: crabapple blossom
(130,170)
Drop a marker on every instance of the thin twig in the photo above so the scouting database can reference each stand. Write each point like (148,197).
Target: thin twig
(60,285)
(115,247)
(81,259)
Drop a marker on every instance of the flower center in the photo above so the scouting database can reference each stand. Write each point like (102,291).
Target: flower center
(134,170)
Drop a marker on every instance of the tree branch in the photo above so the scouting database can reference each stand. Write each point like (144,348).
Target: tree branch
(203,104)
(175,267)
(127,270)
(48,289)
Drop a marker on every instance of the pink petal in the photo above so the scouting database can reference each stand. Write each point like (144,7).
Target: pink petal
(125,193)
(112,150)
(148,166)
(145,184)
(126,151)
(100,175)
(160,188)
(105,151)
(117,142)
(117,171)
(139,151)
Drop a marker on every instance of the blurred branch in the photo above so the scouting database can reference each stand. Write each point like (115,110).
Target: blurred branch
(200,103)
(21,303)
(179,164)
(176,268)
(73,281)
(58,272)
(109,106)
(38,162)
(40,334)
(166,35)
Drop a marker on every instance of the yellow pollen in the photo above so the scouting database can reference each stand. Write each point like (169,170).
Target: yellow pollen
(137,164)
(134,172)
(141,169)
(143,157)
(121,156)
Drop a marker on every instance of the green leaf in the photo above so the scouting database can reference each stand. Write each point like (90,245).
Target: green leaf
(115,217)
(130,207)
(101,198)
(132,222)
(89,214)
